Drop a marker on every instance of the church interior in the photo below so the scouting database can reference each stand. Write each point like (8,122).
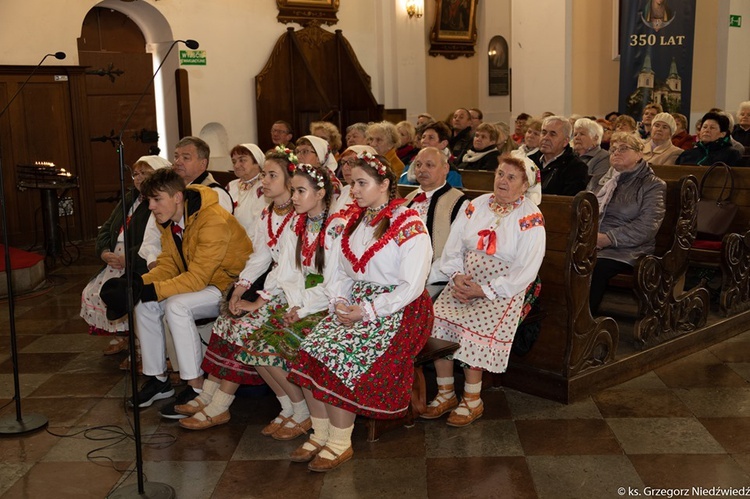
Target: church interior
(611,406)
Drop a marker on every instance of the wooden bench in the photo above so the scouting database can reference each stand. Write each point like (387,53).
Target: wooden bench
(733,256)
(665,310)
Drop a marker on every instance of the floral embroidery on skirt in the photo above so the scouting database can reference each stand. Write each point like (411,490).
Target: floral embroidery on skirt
(375,381)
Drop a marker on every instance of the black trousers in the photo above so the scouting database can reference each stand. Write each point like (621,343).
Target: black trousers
(604,270)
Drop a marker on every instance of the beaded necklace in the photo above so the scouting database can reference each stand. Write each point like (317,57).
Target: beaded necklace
(282,209)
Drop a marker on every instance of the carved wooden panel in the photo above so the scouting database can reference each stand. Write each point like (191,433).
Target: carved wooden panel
(664,312)
(591,343)
(735,271)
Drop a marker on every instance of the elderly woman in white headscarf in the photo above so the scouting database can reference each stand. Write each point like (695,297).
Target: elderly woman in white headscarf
(631,208)
(658,148)
(246,189)
(110,248)
(492,257)
(587,141)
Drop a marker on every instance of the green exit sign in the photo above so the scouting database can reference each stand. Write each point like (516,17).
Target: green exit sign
(192,57)
(735,21)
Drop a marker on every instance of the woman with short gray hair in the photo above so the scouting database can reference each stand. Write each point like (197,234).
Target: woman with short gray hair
(587,140)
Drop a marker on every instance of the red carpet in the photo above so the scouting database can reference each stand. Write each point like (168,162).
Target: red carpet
(19,259)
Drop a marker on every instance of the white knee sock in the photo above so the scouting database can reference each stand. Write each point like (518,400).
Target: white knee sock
(301,412)
(205,396)
(219,404)
(475,388)
(320,428)
(339,439)
(443,395)
(287,410)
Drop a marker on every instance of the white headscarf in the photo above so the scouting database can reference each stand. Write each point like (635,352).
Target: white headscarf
(260,158)
(155,162)
(323,150)
(534,192)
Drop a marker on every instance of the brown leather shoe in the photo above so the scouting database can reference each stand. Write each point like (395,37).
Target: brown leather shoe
(322,465)
(115,348)
(447,405)
(189,409)
(292,432)
(271,427)
(302,455)
(196,424)
(460,420)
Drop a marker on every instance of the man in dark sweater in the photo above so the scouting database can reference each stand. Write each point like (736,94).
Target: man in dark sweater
(563,172)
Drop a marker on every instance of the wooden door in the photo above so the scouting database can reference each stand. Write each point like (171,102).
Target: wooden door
(113,50)
(42,125)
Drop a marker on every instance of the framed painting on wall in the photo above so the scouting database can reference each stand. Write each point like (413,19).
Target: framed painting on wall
(454,32)
(308,12)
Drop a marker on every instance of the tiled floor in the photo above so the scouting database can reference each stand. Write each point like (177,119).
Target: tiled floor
(684,425)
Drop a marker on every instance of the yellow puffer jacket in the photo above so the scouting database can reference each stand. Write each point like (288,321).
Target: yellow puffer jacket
(214,244)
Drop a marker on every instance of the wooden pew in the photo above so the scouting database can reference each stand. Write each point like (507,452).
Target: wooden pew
(664,309)
(733,257)
(571,342)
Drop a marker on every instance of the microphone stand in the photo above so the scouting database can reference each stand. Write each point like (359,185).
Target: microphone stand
(31,422)
(150,489)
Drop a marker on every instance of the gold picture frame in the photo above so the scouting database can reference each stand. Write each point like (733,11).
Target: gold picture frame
(454,32)
(308,12)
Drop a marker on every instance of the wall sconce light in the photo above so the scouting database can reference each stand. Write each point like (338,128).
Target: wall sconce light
(414,8)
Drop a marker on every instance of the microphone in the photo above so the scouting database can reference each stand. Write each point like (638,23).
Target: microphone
(191,44)
(58,55)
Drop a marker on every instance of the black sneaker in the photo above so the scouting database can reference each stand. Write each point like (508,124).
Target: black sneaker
(153,390)
(183,398)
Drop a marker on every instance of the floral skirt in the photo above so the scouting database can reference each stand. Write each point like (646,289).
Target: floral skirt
(274,344)
(228,342)
(93,309)
(484,328)
(367,368)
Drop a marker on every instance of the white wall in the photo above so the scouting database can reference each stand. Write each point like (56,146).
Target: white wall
(541,56)
(737,80)
(497,22)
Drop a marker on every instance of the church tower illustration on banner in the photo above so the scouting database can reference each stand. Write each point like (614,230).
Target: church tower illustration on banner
(646,80)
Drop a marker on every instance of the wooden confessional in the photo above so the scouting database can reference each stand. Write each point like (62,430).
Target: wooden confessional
(313,75)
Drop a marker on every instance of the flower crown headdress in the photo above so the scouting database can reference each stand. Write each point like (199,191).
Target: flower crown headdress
(373,162)
(314,172)
(293,161)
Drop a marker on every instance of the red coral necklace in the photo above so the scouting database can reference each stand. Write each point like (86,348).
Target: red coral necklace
(273,237)
(359,264)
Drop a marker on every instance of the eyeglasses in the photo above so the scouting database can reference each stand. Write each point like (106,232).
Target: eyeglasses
(304,151)
(621,149)
(347,162)
(137,174)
